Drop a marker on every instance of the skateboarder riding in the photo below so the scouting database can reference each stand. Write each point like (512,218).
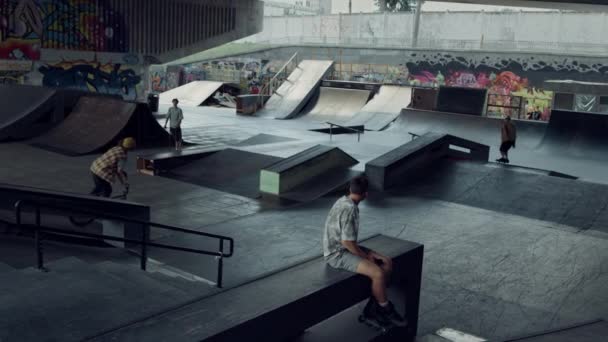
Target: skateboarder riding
(109,166)
(175,116)
(341,250)
(508,134)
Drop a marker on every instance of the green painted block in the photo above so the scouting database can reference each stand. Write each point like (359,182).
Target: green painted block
(269,182)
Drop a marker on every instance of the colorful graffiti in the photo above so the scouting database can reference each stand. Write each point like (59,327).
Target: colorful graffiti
(27,26)
(109,78)
(158,81)
(249,73)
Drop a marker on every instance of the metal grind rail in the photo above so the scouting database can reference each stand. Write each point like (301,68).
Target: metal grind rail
(144,241)
(332,125)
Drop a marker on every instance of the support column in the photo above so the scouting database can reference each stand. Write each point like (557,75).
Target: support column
(417,23)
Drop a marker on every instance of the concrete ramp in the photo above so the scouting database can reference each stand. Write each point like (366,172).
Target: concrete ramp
(337,105)
(383,108)
(98,122)
(476,128)
(192,94)
(231,170)
(26,111)
(309,174)
(413,159)
(581,135)
(294,93)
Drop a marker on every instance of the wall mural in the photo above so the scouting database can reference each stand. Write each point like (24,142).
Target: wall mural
(522,75)
(108,78)
(248,73)
(27,26)
(519,76)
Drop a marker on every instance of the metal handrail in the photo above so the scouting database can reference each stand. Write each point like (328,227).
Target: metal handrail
(331,126)
(144,241)
(269,86)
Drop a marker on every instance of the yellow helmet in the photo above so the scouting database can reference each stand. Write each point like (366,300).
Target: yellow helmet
(128,143)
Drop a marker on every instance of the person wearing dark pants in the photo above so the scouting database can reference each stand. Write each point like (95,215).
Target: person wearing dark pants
(508,135)
(102,187)
(175,116)
(109,166)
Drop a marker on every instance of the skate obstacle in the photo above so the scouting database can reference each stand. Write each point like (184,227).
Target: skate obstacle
(283,304)
(413,158)
(68,203)
(309,174)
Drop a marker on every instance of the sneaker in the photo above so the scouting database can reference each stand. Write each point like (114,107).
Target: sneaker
(506,161)
(500,160)
(373,312)
(391,314)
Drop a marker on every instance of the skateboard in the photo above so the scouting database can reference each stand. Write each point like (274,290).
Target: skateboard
(502,161)
(374,324)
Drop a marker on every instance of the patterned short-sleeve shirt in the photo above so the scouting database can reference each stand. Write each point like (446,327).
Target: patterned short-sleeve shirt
(107,166)
(342,224)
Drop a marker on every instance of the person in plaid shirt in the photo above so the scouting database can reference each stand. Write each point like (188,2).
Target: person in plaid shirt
(109,166)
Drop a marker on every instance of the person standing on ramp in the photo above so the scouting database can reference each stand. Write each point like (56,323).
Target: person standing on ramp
(341,250)
(110,165)
(508,135)
(175,116)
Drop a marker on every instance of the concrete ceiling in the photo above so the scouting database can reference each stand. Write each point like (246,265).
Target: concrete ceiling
(580,5)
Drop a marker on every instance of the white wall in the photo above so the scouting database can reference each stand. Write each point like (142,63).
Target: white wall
(581,33)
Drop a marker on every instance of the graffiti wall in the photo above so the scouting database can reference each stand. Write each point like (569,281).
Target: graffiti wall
(522,76)
(248,73)
(28,26)
(78,44)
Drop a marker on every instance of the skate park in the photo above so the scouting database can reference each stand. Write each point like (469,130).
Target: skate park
(221,241)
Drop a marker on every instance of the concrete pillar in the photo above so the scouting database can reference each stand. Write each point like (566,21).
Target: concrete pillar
(417,23)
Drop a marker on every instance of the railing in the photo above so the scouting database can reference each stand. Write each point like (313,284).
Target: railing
(332,125)
(144,242)
(276,81)
(591,49)
(504,105)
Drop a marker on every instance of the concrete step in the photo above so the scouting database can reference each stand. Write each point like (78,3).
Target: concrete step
(192,288)
(137,277)
(76,299)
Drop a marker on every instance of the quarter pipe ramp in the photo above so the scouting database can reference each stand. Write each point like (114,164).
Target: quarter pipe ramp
(577,134)
(337,105)
(26,111)
(483,130)
(383,109)
(98,122)
(192,94)
(294,93)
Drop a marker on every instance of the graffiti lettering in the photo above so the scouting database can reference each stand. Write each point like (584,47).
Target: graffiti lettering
(95,77)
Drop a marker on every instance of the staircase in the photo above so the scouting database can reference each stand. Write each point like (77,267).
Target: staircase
(75,300)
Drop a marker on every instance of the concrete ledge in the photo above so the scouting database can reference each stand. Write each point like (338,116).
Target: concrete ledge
(300,168)
(285,303)
(411,159)
(156,163)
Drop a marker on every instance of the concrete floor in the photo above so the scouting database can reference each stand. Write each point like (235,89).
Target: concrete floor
(488,270)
